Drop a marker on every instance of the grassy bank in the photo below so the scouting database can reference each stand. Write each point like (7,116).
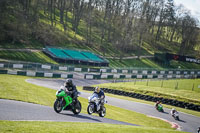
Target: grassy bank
(27,56)
(15,87)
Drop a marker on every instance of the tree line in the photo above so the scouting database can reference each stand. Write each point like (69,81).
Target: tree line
(126,25)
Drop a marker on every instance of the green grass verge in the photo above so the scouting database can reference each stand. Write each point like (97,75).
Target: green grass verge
(15,87)
(76,127)
(184,90)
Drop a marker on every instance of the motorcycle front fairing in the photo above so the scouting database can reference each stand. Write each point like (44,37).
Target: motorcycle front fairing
(62,94)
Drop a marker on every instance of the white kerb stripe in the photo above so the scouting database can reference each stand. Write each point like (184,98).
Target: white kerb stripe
(191,72)
(160,76)
(17,65)
(124,71)
(128,76)
(178,72)
(104,76)
(46,67)
(12,72)
(178,76)
(1,65)
(185,72)
(144,72)
(169,76)
(103,70)
(134,71)
(114,71)
(63,68)
(162,72)
(29,73)
(186,76)
(149,76)
(198,72)
(170,72)
(48,74)
(116,76)
(139,76)
(63,76)
(77,69)
(89,76)
(154,72)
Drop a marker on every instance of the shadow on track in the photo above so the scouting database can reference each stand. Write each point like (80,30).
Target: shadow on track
(81,117)
(182,121)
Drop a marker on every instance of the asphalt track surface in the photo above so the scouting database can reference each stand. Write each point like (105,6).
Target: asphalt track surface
(188,123)
(22,111)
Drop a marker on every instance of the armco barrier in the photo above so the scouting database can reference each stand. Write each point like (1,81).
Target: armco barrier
(148,98)
(138,76)
(36,74)
(121,71)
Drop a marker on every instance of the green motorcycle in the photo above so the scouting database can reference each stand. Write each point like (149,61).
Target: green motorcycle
(65,102)
(160,108)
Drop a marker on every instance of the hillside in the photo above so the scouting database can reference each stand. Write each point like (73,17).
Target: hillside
(36,24)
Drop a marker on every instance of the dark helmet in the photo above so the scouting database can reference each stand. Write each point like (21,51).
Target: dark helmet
(68,82)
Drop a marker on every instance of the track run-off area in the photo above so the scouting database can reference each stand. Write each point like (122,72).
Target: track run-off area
(14,110)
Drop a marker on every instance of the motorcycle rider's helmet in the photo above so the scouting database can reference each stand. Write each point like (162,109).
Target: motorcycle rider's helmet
(97,89)
(68,82)
(158,102)
(173,109)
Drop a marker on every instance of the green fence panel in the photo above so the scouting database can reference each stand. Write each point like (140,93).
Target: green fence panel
(119,71)
(122,76)
(108,70)
(110,77)
(21,73)
(3,71)
(39,74)
(70,76)
(55,75)
(71,69)
(84,70)
(134,76)
(155,76)
(97,76)
(94,70)
(144,76)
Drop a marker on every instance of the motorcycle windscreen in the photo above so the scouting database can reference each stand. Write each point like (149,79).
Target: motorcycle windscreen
(61,94)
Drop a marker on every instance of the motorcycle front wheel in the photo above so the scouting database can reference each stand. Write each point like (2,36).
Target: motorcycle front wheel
(57,106)
(90,109)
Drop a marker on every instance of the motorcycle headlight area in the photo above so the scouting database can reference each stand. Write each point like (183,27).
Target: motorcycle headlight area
(56,92)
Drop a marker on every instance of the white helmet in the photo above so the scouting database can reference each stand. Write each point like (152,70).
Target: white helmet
(97,89)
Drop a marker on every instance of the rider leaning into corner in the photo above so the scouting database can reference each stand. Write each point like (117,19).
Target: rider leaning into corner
(156,105)
(100,94)
(173,111)
(70,89)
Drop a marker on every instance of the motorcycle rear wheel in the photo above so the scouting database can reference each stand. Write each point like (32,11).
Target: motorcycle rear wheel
(102,112)
(77,108)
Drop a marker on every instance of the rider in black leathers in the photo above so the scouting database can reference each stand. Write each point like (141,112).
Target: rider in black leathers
(70,89)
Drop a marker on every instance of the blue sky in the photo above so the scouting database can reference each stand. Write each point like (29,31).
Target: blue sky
(192,5)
